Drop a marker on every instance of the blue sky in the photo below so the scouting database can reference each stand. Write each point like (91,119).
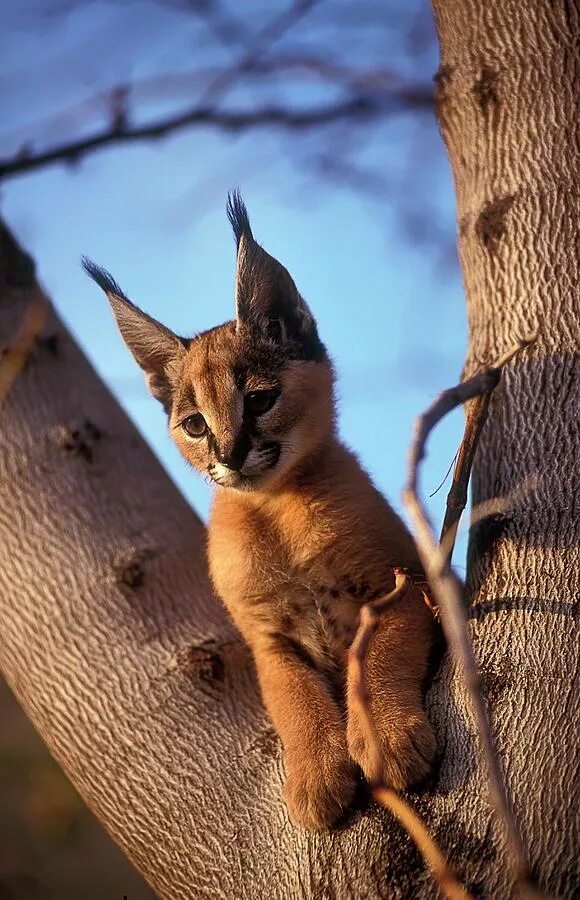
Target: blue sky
(387,296)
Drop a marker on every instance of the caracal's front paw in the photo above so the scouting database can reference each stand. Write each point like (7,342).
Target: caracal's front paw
(319,789)
(407,747)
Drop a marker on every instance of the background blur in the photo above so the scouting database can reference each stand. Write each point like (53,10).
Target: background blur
(123,125)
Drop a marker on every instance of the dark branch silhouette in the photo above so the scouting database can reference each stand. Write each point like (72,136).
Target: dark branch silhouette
(118,132)
(357,91)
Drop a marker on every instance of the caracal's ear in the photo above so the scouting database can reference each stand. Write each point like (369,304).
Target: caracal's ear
(266,296)
(158,350)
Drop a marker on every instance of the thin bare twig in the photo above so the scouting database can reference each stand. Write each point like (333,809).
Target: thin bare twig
(496,506)
(446,476)
(450,593)
(448,883)
(357,108)
(476,419)
(393,96)
(386,796)
(303,67)
(457,496)
(272,32)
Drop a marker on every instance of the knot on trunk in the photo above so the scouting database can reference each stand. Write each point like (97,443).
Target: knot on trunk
(485,90)
(494,681)
(491,222)
(442,79)
(80,440)
(130,569)
(203,662)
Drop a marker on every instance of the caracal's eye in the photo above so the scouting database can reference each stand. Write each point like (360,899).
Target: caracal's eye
(258,402)
(194,425)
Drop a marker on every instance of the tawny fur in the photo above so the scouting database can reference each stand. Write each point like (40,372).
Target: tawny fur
(299,538)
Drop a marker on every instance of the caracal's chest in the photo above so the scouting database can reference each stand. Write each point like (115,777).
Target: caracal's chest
(294,571)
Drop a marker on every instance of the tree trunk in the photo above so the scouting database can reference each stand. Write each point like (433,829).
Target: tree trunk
(507,107)
(128,667)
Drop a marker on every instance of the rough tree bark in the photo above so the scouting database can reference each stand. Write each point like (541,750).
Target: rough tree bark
(505,96)
(128,667)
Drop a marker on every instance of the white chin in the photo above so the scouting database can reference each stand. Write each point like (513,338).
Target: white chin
(243,481)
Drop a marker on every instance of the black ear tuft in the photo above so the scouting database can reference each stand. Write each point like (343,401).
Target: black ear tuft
(266,297)
(238,216)
(156,348)
(105,281)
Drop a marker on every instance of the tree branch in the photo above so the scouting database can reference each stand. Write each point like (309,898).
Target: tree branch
(369,94)
(358,108)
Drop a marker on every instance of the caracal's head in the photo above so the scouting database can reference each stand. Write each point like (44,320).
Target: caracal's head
(247,401)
